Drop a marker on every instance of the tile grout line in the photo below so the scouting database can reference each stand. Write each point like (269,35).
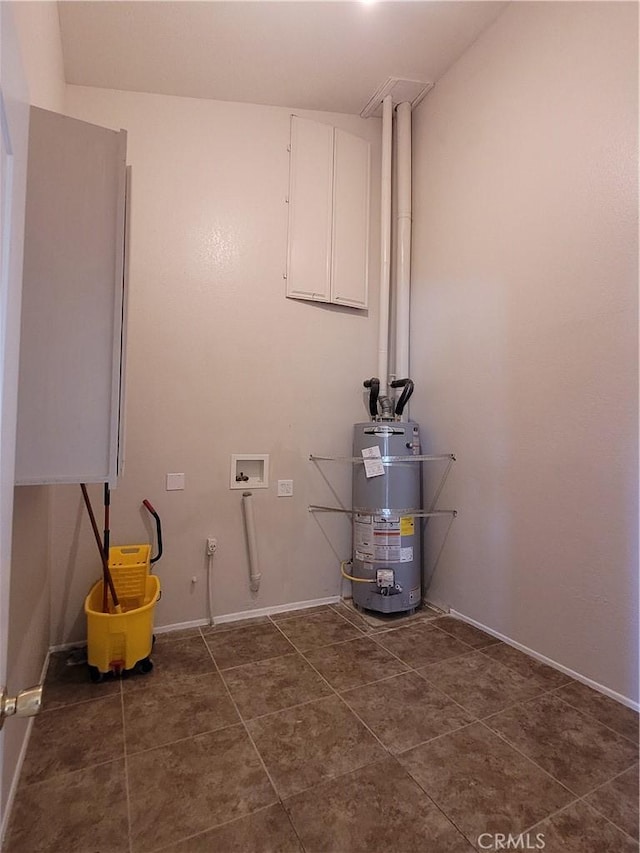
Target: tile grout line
(588,714)
(183,739)
(436,804)
(394,756)
(67,705)
(300,614)
(550,816)
(252,662)
(437,737)
(126,770)
(365,629)
(441,690)
(582,800)
(528,758)
(607,818)
(600,812)
(335,693)
(253,743)
(577,796)
(389,754)
(543,690)
(63,775)
(243,723)
(172,844)
(335,610)
(609,781)
(485,651)
(68,771)
(467,651)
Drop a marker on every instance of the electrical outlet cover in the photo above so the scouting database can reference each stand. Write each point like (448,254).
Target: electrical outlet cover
(285,488)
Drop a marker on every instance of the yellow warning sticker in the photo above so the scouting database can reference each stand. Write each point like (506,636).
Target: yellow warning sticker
(406,525)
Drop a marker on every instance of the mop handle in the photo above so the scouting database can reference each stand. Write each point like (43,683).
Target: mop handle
(105,564)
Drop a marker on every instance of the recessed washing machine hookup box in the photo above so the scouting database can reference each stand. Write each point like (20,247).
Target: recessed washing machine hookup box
(249,471)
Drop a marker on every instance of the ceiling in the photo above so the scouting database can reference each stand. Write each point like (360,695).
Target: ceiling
(301,53)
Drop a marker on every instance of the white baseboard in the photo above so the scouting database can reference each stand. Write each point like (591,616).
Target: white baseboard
(277,608)
(623,700)
(180,626)
(219,620)
(18,768)
(65,647)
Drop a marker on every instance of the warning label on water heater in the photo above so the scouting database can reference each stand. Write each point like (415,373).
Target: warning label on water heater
(363,538)
(378,539)
(407,526)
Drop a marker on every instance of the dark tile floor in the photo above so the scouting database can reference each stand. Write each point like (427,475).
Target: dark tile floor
(321,731)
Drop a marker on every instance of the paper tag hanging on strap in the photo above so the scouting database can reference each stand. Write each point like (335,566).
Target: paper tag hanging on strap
(373,466)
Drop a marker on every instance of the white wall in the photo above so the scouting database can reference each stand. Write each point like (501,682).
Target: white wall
(525,327)
(38,29)
(31,72)
(220,362)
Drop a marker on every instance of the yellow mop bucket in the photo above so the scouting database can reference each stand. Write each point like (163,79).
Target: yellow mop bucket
(120,625)
(119,641)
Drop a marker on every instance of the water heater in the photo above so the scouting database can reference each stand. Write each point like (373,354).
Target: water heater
(387,540)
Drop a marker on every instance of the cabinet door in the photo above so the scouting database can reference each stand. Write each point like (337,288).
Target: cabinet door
(70,349)
(310,210)
(350,241)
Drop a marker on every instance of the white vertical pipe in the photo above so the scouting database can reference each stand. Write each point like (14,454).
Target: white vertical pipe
(385,245)
(250,530)
(403,269)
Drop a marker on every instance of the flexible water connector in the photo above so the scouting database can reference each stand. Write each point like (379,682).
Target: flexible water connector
(374,385)
(351,577)
(407,391)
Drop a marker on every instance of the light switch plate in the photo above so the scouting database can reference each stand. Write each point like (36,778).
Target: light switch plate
(175,482)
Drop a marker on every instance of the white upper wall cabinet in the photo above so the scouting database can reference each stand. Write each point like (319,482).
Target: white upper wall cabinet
(328,236)
(310,210)
(350,240)
(71,347)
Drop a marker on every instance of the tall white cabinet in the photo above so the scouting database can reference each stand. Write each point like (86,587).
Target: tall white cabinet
(328,234)
(70,392)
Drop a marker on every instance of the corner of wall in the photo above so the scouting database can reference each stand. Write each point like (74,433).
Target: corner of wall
(38,30)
